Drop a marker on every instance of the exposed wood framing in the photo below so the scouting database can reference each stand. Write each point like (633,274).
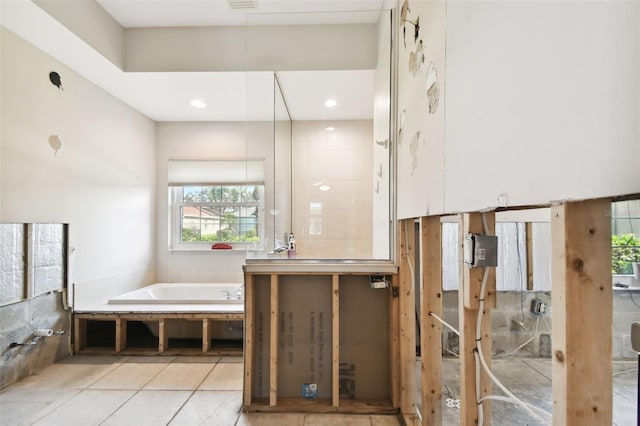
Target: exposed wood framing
(332,404)
(431,329)
(335,336)
(79,334)
(273,343)
(249,303)
(582,299)
(121,334)
(468,314)
(163,340)
(206,334)
(472,277)
(407,318)
(529,238)
(394,302)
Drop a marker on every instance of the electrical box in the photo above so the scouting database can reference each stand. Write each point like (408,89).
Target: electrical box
(538,307)
(481,251)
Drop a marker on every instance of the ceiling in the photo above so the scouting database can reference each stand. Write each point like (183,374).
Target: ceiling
(165,96)
(187,13)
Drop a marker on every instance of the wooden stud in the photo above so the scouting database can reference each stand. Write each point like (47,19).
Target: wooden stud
(249,283)
(468,304)
(206,335)
(431,329)
(163,339)
(472,277)
(582,299)
(394,307)
(407,318)
(529,238)
(121,334)
(79,334)
(273,342)
(335,336)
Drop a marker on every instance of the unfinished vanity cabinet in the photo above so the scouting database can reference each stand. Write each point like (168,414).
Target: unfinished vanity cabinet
(319,341)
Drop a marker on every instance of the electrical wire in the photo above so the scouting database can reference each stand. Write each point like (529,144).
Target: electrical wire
(445,323)
(506,399)
(479,356)
(624,372)
(535,334)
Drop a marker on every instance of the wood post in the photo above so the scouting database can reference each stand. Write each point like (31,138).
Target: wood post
(407,318)
(529,238)
(249,301)
(335,336)
(394,307)
(121,334)
(582,300)
(163,340)
(273,343)
(206,334)
(468,305)
(431,329)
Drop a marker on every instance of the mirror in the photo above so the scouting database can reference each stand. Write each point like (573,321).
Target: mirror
(331,185)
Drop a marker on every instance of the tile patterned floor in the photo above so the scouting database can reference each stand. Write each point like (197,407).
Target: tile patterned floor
(153,391)
(188,391)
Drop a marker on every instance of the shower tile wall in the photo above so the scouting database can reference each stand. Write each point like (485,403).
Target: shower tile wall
(333,184)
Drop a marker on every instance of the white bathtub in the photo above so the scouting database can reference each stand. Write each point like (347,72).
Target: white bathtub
(183,294)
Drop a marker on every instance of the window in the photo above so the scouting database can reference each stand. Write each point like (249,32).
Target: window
(213,201)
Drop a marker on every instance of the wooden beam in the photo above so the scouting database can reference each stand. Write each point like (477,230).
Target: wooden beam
(273,343)
(582,299)
(249,315)
(431,329)
(121,334)
(407,318)
(529,238)
(206,335)
(468,305)
(163,339)
(335,336)
(79,334)
(394,307)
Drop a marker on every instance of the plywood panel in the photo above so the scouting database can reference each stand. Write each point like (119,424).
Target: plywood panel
(305,325)
(261,333)
(364,340)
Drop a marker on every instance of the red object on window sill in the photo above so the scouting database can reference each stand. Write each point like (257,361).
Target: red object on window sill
(221,246)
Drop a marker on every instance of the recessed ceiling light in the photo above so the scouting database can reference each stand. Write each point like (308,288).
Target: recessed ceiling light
(330,129)
(330,103)
(198,103)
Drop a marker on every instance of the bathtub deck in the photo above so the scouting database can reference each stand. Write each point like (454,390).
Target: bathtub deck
(121,319)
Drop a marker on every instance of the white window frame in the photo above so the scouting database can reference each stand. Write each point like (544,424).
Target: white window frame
(214,177)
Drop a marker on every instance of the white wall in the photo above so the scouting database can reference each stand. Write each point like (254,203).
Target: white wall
(340,159)
(420,149)
(101,181)
(206,140)
(255,48)
(542,105)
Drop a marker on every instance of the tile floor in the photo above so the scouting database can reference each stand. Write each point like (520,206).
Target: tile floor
(89,390)
(123,391)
